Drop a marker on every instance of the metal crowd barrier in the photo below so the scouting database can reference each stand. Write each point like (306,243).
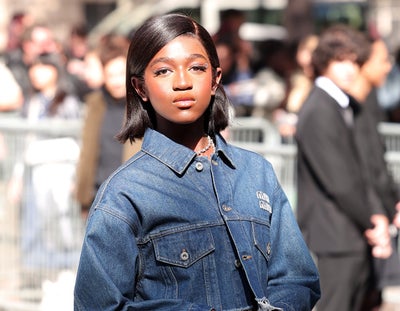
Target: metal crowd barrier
(390,133)
(41,227)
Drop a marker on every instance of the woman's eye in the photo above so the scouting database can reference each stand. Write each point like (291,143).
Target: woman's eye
(162,71)
(199,68)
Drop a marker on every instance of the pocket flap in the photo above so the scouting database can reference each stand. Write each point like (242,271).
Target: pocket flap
(183,248)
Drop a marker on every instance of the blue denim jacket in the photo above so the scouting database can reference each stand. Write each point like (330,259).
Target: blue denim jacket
(170,230)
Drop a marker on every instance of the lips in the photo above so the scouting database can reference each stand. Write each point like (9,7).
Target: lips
(184,102)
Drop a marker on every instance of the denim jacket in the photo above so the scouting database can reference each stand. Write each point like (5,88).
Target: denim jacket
(170,230)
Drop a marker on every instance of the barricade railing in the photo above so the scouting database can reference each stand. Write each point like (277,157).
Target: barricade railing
(41,227)
(390,133)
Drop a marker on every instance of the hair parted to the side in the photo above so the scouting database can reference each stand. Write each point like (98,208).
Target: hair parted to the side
(147,41)
(340,42)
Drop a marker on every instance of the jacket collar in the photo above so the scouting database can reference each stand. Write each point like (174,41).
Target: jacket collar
(178,157)
(333,90)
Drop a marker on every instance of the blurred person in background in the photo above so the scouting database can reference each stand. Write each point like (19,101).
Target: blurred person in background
(301,83)
(50,97)
(101,153)
(231,21)
(382,192)
(42,180)
(237,78)
(35,40)
(75,52)
(389,93)
(11,98)
(48,100)
(18,23)
(93,76)
(303,77)
(340,224)
(273,82)
(235,55)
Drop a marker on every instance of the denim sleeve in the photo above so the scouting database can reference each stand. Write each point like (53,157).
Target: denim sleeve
(293,277)
(107,272)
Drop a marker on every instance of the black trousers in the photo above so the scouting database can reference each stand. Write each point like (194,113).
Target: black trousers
(387,271)
(345,280)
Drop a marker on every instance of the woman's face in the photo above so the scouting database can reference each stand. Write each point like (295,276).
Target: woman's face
(178,82)
(378,66)
(43,76)
(342,73)
(114,77)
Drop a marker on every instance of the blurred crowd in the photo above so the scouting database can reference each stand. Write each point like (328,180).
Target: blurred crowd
(268,78)
(41,78)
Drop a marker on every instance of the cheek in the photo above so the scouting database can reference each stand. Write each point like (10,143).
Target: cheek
(208,84)
(157,91)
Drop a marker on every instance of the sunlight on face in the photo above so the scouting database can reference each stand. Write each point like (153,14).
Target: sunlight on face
(178,81)
(43,76)
(342,73)
(378,66)
(114,77)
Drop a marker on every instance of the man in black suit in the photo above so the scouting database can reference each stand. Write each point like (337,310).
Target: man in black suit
(383,191)
(338,221)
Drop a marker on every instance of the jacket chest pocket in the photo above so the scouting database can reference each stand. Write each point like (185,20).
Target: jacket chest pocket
(184,248)
(262,241)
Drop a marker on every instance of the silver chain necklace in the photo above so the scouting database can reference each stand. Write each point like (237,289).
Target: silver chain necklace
(209,145)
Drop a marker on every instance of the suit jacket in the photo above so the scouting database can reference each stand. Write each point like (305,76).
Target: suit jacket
(383,190)
(332,210)
(96,108)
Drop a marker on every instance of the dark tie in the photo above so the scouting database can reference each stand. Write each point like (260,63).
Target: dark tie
(348,116)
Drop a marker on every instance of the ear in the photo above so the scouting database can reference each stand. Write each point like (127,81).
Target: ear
(139,88)
(216,81)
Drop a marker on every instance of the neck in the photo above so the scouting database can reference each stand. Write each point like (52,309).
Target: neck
(49,91)
(189,135)
(360,89)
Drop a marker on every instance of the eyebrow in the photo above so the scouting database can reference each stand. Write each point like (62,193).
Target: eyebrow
(169,60)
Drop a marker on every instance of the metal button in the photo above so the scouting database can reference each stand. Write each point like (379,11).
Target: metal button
(226,208)
(199,166)
(247,257)
(184,255)
(269,248)
(238,264)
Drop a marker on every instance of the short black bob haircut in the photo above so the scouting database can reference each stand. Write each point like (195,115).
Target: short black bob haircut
(147,41)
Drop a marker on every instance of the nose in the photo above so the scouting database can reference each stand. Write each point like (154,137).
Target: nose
(182,80)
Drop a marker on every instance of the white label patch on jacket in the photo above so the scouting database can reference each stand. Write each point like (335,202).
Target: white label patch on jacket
(263,201)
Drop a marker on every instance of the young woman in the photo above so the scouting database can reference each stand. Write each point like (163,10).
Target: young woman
(189,222)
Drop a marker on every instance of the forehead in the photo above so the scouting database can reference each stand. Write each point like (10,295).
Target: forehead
(342,63)
(43,65)
(41,34)
(182,47)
